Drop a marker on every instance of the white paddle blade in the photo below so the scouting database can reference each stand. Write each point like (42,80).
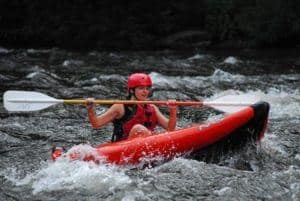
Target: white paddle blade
(24,101)
(233,103)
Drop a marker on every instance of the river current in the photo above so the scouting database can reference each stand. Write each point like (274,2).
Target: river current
(270,172)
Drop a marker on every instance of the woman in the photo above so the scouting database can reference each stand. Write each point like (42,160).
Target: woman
(136,119)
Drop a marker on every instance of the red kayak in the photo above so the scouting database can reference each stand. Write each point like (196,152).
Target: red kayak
(238,128)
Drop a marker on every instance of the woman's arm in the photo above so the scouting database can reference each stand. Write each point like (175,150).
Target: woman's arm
(168,124)
(114,112)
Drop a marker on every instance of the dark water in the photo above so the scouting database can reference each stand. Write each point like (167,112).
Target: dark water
(270,172)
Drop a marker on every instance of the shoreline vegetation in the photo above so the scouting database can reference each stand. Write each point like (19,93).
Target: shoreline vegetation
(150,25)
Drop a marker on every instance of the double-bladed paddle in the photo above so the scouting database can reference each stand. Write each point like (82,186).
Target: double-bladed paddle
(26,101)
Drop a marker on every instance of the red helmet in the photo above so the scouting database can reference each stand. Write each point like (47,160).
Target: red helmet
(139,79)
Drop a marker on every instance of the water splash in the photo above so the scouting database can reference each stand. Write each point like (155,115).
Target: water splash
(197,57)
(284,102)
(66,175)
(231,60)
(223,76)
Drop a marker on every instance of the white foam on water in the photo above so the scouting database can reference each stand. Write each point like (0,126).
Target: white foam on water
(224,191)
(231,60)
(223,76)
(36,71)
(79,175)
(197,57)
(161,80)
(64,174)
(272,144)
(176,81)
(291,175)
(4,50)
(295,188)
(72,62)
(32,75)
(94,79)
(11,174)
(195,81)
(133,195)
(284,102)
(33,51)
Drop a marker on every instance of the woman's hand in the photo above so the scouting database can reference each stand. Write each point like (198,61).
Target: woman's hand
(90,103)
(173,113)
(171,104)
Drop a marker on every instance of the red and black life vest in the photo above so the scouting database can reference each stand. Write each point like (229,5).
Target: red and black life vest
(134,114)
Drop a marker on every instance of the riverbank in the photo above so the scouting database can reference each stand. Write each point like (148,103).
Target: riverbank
(149,25)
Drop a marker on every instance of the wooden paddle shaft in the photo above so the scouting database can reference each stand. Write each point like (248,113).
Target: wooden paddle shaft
(111,102)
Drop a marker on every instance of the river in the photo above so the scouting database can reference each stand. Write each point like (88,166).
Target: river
(270,172)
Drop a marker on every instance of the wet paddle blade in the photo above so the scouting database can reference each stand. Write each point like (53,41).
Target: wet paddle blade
(24,101)
(232,103)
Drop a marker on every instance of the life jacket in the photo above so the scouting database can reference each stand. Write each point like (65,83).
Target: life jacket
(134,114)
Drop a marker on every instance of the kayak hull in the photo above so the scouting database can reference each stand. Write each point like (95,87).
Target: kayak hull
(167,145)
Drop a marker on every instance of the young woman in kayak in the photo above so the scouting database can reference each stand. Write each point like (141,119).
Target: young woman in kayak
(136,119)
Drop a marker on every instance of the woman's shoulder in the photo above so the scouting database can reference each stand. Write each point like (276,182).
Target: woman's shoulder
(119,109)
(156,109)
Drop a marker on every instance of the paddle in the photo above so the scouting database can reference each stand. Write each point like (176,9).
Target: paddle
(25,101)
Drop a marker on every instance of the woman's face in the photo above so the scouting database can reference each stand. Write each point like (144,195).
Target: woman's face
(142,92)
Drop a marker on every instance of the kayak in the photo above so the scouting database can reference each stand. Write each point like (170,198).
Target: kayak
(238,128)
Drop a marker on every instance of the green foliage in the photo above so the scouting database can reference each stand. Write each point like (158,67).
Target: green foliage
(140,24)
(220,19)
(260,22)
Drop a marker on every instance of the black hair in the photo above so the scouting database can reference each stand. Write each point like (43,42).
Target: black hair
(130,94)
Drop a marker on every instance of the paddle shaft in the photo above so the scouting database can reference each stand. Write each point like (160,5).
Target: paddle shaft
(128,102)
(103,102)
(131,102)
